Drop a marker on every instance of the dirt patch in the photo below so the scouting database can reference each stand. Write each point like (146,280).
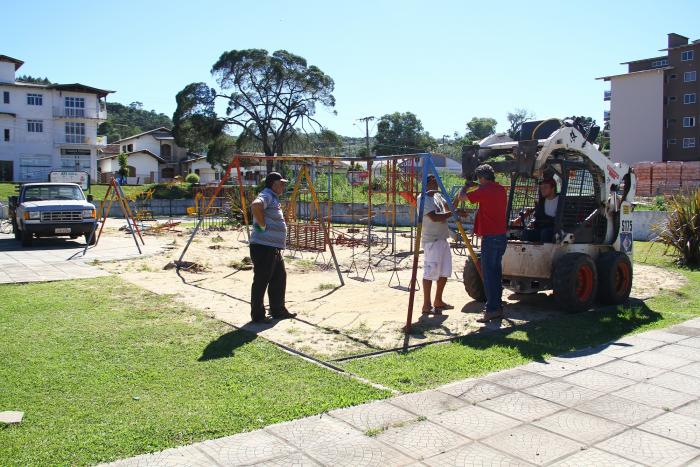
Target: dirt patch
(333,321)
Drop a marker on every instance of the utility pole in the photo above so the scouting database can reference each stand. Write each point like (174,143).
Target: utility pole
(366,120)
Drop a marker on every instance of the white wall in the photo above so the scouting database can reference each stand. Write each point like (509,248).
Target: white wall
(142,142)
(7,72)
(206,173)
(24,144)
(636,117)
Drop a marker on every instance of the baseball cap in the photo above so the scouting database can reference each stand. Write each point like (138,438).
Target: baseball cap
(273,177)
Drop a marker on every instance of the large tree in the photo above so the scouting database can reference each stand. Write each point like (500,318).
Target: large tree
(480,127)
(401,133)
(516,118)
(268,99)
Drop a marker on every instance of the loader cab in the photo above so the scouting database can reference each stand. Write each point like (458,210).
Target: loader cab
(578,217)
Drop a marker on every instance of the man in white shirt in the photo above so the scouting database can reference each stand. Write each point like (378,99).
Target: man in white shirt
(437,259)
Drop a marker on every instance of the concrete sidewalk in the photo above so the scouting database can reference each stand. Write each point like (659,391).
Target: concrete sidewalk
(634,401)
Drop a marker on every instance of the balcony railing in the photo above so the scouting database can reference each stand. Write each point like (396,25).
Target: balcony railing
(606,115)
(607,95)
(76,112)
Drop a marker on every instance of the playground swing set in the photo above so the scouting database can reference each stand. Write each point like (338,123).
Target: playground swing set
(312,230)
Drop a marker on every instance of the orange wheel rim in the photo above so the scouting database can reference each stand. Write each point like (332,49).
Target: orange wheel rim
(622,277)
(584,283)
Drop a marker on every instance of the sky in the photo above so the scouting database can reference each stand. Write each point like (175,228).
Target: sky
(445,61)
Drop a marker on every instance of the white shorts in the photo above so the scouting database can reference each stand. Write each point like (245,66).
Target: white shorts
(437,260)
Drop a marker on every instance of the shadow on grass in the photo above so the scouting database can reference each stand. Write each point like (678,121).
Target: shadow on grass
(225,345)
(536,340)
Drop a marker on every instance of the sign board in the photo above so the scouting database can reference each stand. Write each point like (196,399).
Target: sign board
(81,178)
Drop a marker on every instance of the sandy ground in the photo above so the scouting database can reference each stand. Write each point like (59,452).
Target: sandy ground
(333,321)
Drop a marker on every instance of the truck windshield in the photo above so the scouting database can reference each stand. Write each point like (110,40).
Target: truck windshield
(51,192)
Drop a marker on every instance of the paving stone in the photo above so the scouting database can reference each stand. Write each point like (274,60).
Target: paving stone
(312,431)
(296,459)
(684,330)
(517,379)
(187,456)
(595,458)
(521,406)
(681,351)
(428,403)
(580,426)
(533,444)
(563,393)
(619,409)
(677,382)
(373,416)
(245,448)
(598,381)
(358,451)
(662,336)
(474,391)
(648,448)
(421,439)
(655,396)
(552,368)
(691,342)
(691,370)
(692,409)
(475,422)
(693,323)
(586,361)
(10,417)
(657,359)
(629,345)
(631,370)
(473,455)
(675,426)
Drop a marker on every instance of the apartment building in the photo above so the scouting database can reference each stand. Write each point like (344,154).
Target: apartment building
(654,107)
(47,127)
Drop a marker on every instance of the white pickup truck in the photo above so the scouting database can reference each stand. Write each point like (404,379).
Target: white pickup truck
(51,210)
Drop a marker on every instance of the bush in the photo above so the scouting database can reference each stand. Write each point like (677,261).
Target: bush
(682,232)
(171,190)
(192,178)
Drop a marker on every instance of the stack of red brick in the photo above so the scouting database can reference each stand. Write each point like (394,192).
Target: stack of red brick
(666,178)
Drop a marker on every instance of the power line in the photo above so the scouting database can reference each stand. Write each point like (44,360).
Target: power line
(366,120)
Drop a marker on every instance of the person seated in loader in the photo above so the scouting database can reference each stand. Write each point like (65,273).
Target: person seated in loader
(541,228)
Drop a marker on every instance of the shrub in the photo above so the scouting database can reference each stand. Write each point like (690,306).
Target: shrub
(171,190)
(192,178)
(682,231)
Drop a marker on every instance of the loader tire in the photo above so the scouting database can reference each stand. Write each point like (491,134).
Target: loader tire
(614,278)
(472,281)
(575,282)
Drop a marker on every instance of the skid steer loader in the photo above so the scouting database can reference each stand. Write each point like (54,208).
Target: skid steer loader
(589,258)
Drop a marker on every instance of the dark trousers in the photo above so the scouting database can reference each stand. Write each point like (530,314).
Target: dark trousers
(492,249)
(268,273)
(539,234)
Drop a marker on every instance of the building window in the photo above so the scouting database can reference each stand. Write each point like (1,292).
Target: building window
(75,161)
(75,106)
(688,122)
(690,76)
(7,134)
(131,171)
(670,142)
(75,133)
(659,63)
(35,126)
(687,56)
(670,122)
(166,152)
(689,98)
(167,172)
(688,143)
(6,97)
(35,99)
(123,147)
(129,148)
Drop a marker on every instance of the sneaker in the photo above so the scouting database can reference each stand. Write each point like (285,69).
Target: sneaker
(285,314)
(490,316)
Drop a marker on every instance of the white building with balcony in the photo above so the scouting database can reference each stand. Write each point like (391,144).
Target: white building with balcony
(47,127)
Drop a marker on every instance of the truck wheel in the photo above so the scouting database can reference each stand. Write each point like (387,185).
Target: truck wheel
(472,281)
(614,278)
(26,238)
(90,238)
(575,282)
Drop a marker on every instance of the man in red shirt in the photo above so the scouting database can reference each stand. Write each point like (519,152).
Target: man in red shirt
(490,225)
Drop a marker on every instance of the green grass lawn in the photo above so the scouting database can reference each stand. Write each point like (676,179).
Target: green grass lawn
(479,354)
(105,370)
